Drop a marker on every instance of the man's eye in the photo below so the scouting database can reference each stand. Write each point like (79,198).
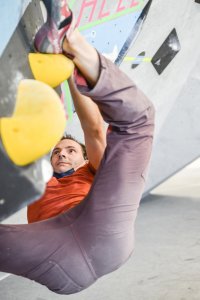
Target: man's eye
(71,150)
(55,152)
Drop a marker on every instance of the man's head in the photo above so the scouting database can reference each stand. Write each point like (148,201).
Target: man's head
(68,154)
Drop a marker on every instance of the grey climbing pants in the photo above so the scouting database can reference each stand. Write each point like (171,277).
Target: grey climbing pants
(69,252)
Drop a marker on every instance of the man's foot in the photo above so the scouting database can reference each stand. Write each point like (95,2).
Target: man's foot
(49,38)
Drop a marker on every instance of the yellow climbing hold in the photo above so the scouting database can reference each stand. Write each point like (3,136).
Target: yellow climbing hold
(52,69)
(37,124)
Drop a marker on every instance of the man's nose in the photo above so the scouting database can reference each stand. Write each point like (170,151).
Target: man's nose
(62,154)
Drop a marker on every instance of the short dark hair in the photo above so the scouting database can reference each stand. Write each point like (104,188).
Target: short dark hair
(70,137)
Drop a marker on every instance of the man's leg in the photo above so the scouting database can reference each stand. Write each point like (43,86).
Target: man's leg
(105,229)
(47,253)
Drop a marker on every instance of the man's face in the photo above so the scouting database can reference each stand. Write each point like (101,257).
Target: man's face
(66,155)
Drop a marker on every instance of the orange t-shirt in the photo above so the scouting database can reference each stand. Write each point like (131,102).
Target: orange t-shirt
(62,194)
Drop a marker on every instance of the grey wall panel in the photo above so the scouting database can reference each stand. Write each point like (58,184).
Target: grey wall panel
(176,92)
(179,140)
(21,185)
(14,61)
(11,13)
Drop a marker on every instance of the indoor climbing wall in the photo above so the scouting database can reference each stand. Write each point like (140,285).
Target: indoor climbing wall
(155,42)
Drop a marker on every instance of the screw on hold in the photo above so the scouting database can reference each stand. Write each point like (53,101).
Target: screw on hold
(2,201)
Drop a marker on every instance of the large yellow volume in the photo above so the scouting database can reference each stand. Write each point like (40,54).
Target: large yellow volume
(52,69)
(37,124)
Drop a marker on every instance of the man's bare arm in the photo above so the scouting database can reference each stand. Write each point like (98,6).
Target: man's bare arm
(92,124)
(87,60)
